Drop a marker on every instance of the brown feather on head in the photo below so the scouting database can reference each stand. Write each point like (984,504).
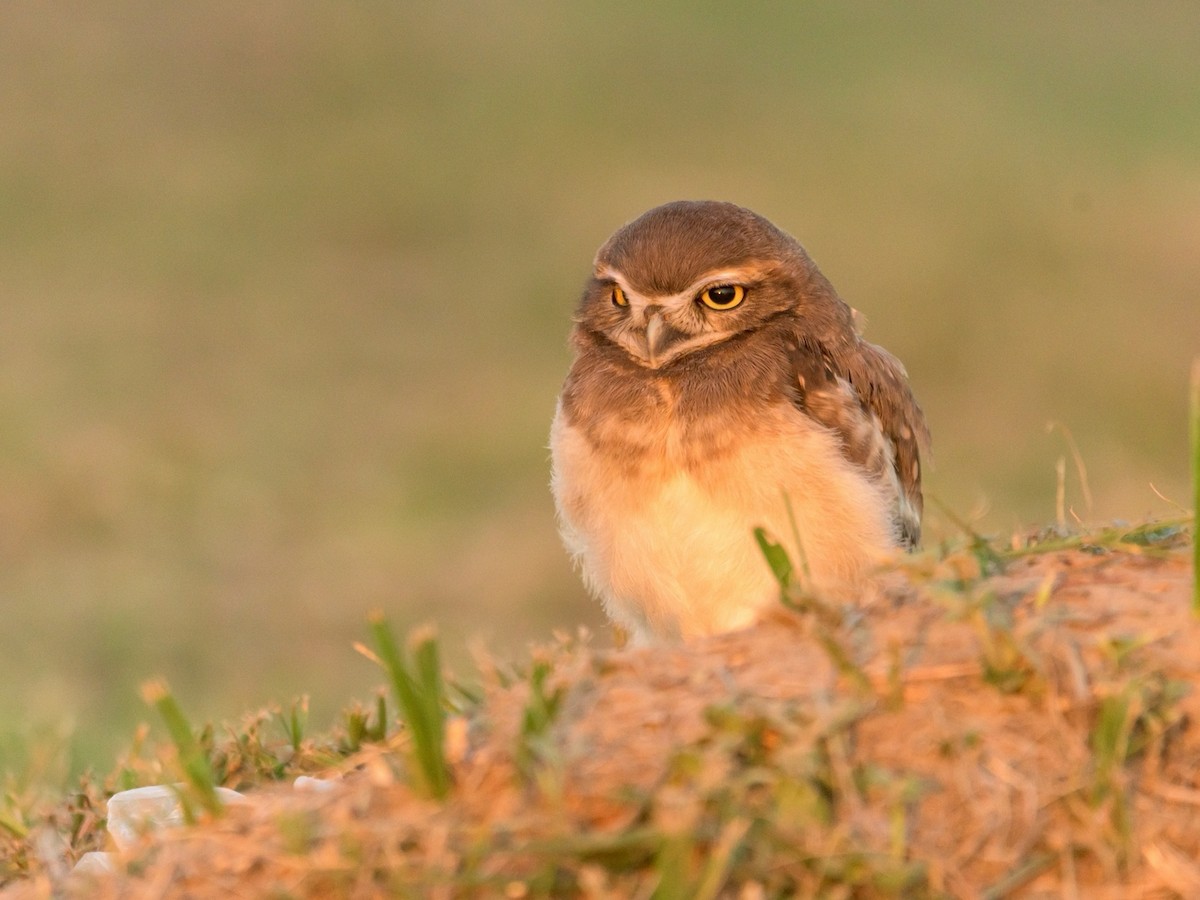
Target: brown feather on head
(668,248)
(689,274)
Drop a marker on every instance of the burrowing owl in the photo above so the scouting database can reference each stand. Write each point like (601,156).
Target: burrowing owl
(719,384)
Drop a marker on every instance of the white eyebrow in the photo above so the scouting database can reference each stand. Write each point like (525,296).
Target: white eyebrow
(717,276)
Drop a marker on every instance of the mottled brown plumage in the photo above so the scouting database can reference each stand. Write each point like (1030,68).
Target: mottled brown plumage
(719,384)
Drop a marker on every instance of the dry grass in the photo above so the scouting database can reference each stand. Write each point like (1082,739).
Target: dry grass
(1016,722)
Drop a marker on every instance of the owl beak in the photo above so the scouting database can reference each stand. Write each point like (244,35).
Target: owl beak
(659,338)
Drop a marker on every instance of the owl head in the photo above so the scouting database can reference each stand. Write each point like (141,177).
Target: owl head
(690,274)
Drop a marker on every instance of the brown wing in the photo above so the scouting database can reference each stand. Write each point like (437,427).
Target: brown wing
(861,392)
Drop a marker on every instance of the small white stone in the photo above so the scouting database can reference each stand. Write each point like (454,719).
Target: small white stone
(140,811)
(308,783)
(95,862)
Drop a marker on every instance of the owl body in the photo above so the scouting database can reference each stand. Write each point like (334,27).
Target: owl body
(712,393)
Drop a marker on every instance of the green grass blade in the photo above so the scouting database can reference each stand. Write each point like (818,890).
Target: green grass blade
(429,679)
(539,714)
(14,823)
(777,558)
(432,696)
(791,512)
(720,860)
(420,695)
(196,768)
(295,721)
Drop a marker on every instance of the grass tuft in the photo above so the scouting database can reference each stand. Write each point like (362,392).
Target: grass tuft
(539,714)
(1007,661)
(417,682)
(991,561)
(295,722)
(197,770)
(359,728)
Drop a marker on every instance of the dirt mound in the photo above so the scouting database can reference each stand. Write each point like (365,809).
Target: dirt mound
(1029,732)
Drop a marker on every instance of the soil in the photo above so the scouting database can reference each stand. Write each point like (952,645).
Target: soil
(1028,733)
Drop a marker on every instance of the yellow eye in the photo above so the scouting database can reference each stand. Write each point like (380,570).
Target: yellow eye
(722,296)
(618,297)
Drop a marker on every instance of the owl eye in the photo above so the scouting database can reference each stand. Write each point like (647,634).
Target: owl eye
(618,297)
(722,296)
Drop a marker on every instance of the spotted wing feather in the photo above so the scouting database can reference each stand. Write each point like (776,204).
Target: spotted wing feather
(862,394)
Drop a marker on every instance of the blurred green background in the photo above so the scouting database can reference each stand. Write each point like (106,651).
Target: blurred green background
(284,291)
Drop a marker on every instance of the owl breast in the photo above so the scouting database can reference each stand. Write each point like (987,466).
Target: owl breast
(659,494)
